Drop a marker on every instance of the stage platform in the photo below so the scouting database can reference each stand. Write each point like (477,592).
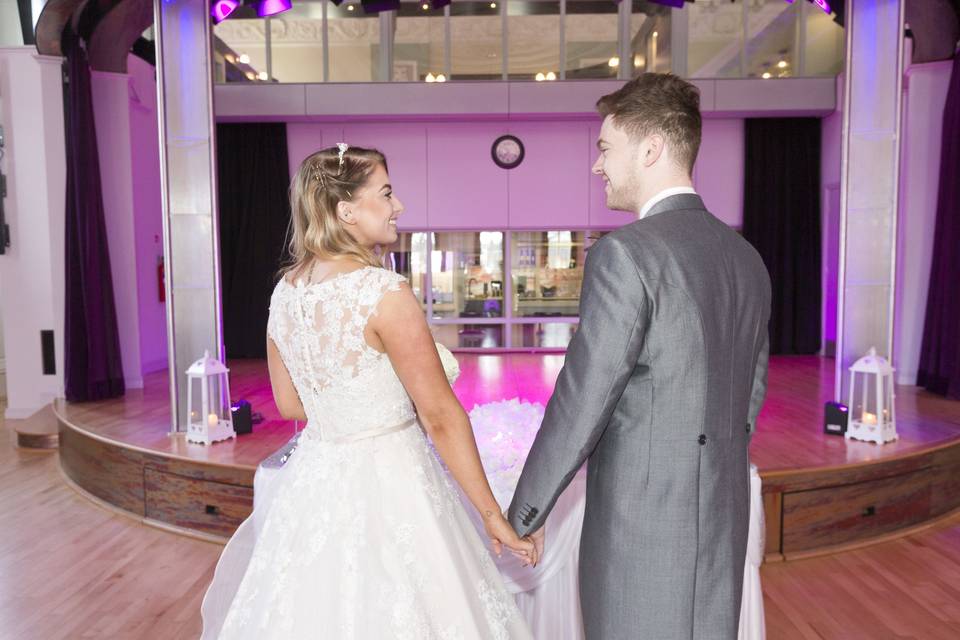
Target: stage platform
(821,493)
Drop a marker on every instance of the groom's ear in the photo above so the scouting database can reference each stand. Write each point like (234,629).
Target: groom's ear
(651,149)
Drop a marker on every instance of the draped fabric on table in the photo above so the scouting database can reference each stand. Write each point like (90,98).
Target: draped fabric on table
(940,353)
(253,176)
(781,219)
(92,362)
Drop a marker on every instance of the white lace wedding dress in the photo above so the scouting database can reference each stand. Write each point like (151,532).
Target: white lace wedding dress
(364,537)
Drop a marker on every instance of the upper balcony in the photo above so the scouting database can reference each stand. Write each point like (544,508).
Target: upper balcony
(535,40)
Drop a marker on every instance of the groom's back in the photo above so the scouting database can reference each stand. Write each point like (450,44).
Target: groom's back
(709,292)
(668,481)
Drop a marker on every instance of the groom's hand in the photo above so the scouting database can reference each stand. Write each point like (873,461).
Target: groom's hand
(536,538)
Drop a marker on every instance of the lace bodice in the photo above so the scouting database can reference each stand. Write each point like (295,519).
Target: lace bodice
(346,386)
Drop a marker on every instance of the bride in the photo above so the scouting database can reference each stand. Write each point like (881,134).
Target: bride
(364,536)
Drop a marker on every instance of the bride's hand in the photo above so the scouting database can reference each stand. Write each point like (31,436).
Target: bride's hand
(501,535)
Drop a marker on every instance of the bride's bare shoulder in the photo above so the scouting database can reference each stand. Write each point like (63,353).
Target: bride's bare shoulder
(321,270)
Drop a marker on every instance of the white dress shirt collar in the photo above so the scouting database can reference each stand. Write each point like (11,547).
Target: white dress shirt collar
(666,193)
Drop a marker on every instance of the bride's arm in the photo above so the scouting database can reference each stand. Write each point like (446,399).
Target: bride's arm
(400,328)
(284,393)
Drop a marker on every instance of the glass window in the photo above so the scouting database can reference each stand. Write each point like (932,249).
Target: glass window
(533,38)
(469,336)
(467,274)
(649,38)
(771,39)
(408,257)
(547,271)
(354,43)
(543,335)
(824,43)
(590,31)
(418,43)
(240,50)
(714,39)
(476,37)
(296,43)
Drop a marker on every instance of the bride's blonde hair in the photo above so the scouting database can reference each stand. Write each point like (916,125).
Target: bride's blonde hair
(320,183)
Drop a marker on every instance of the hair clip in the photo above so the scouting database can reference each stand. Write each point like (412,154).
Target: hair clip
(318,175)
(342,146)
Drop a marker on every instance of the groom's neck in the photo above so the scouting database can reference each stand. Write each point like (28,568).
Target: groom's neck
(669,181)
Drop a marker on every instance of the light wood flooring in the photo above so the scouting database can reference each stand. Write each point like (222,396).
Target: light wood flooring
(72,570)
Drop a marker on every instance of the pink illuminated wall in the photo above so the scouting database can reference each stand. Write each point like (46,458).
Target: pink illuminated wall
(830,140)
(444,173)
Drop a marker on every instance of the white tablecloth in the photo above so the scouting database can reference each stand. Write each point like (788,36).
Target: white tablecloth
(548,595)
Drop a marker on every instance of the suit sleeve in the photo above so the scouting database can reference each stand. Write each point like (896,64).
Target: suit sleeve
(758,390)
(600,359)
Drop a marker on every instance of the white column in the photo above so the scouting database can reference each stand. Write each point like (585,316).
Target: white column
(32,271)
(188,186)
(869,180)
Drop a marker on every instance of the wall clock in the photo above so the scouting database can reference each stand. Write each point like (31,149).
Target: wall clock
(507,151)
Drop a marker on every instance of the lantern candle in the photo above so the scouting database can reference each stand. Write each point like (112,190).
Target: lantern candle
(869,418)
(213,420)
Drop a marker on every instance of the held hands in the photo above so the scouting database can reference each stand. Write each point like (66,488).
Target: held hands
(502,535)
(537,538)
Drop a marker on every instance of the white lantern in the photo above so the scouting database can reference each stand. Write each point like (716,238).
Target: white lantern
(208,400)
(871,400)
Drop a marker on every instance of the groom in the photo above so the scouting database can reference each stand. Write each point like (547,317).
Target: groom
(660,389)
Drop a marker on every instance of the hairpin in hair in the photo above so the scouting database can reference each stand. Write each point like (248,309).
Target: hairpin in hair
(342,146)
(318,175)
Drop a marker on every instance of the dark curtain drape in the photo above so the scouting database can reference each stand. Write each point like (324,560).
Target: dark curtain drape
(253,176)
(940,351)
(781,218)
(93,367)
(26,21)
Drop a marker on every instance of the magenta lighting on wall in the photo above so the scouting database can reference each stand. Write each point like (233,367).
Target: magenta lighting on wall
(222,9)
(823,4)
(272,7)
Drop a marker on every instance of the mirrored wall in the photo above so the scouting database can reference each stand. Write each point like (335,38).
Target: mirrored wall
(496,289)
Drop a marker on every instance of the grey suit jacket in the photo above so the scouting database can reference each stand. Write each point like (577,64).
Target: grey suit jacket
(661,385)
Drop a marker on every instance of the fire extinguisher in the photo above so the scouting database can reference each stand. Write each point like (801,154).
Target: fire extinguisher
(161,287)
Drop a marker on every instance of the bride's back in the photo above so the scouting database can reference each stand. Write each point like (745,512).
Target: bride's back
(345,385)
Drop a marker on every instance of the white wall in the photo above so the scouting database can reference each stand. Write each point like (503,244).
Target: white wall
(112,119)
(32,272)
(126,120)
(925,96)
(10,33)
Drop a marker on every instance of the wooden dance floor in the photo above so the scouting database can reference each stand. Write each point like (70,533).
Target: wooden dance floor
(821,493)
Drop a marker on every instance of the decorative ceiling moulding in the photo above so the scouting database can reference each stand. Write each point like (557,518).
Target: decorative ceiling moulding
(54,17)
(935,25)
(110,27)
(115,33)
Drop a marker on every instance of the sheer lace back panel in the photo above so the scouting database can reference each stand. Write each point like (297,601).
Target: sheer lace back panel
(319,330)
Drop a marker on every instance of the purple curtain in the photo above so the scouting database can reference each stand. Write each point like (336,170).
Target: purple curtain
(940,353)
(93,368)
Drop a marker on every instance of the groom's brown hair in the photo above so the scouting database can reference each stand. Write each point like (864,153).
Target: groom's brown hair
(658,103)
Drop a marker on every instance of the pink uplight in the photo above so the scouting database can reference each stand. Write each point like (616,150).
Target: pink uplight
(823,4)
(221,9)
(272,7)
